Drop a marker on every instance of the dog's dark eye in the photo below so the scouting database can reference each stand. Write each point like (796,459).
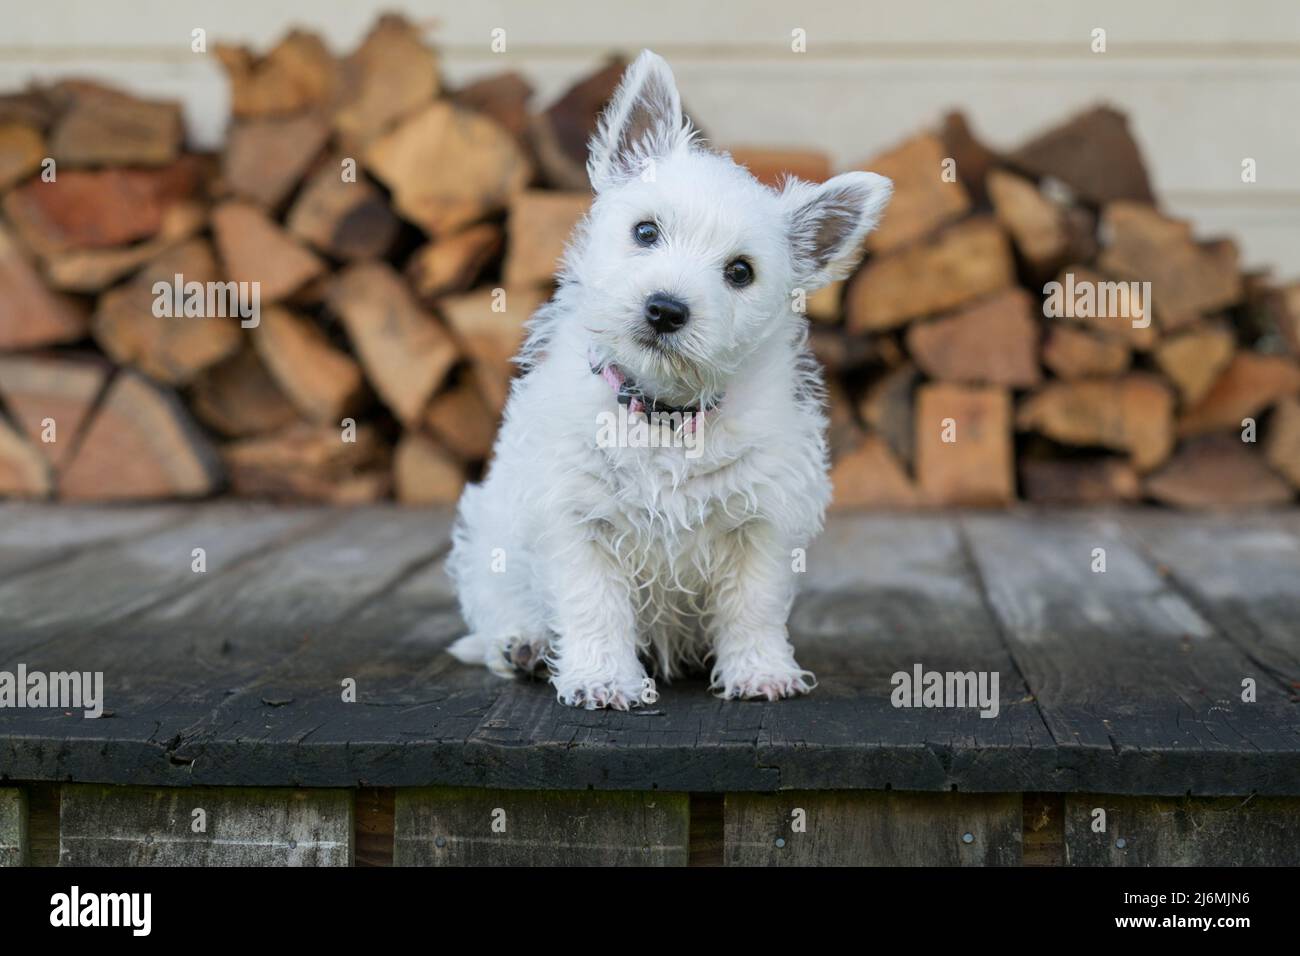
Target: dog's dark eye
(739,273)
(645,233)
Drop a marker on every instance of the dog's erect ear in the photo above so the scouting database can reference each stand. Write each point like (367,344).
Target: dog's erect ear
(827,223)
(642,123)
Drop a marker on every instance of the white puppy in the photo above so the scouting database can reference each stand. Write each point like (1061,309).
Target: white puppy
(592,551)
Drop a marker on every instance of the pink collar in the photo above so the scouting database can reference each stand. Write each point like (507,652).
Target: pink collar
(629,393)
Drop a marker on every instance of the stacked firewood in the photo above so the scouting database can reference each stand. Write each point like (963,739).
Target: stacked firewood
(1031,325)
(327,310)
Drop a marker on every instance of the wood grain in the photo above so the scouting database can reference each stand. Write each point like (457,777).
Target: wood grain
(872,828)
(132,826)
(1182,831)
(453,827)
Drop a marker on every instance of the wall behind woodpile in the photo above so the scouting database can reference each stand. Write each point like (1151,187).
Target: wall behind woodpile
(1206,83)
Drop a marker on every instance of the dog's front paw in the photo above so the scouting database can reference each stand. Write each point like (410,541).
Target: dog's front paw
(770,682)
(610,694)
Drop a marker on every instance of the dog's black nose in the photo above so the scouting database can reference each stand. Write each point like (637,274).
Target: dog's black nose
(665,314)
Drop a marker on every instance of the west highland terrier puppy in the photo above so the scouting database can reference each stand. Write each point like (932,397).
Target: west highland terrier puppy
(663,456)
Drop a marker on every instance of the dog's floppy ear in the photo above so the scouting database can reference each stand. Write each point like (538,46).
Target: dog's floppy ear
(827,223)
(643,122)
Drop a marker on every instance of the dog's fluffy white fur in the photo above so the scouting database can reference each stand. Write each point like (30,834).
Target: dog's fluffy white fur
(598,561)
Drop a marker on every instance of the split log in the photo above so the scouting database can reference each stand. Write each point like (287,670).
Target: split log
(1133,414)
(141,443)
(461,420)
(925,196)
(504,98)
(50,399)
(424,474)
(772,166)
(844,434)
(171,348)
(98,126)
(826,304)
(871,477)
(1079,481)
(452,264)
(405,352)
(1074,353)
(490,324)
(265,159)
(1249,385)
(1282,446)
(888,408)
(973,158)
(297,75)
(312,463)
(238,398)
(1195,359)
(32,107)
(389,76)
(841,354)
(1188,279)
(447,167)
(560,135)
(1037,226)
(1289,316)
(1080,294)
(30,314)
(347,220)
(1094,154)
(964,452)
(1217,471)
(538,229)
(24,472)
(993,342)
(255,249)
(92,270)
(324,383)
(965,261)
(22,148)
(85,209)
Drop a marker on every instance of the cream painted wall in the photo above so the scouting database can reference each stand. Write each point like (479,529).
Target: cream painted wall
(1206,83)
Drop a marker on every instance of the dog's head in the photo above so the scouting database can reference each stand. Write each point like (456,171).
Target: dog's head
(686,262)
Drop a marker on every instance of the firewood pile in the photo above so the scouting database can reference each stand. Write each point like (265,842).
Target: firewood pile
(328,308)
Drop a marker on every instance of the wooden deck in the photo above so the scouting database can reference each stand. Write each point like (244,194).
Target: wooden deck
(1123,682)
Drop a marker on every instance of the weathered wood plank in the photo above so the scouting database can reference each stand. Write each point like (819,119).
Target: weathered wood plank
(14,849)
(884,594)
(34,535)
(111,584)
(172,666)
(1182,831)
(236,677)
(1242,572)
(872,828)
(1140,692)
(136,826)
(456,827)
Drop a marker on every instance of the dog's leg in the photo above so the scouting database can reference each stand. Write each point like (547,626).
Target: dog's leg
(594,659)
(750,602)
(492,581)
